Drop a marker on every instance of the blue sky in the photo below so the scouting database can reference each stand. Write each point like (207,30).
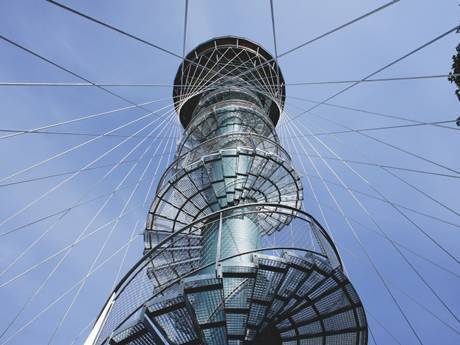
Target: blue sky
(104,56)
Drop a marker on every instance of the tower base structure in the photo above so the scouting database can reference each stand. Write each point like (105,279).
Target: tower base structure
(287,299)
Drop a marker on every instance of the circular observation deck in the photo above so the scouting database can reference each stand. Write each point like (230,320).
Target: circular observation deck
(228,61)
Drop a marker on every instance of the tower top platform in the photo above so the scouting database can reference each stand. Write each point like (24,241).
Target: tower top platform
(228,61)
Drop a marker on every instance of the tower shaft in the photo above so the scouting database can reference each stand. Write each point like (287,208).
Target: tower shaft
(237,114)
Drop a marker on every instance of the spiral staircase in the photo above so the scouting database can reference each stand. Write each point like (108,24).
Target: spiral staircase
(217,268)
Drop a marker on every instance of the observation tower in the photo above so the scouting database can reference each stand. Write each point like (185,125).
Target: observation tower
(230,257)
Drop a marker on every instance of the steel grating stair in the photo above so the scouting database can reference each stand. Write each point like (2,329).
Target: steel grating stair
(223,179)
(299,299)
